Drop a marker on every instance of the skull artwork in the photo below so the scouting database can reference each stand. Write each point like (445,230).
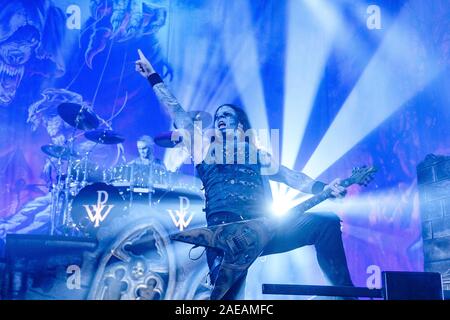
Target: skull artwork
(30,36)
(138,269)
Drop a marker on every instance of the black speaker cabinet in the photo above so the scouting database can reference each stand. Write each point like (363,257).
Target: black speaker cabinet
(412,285)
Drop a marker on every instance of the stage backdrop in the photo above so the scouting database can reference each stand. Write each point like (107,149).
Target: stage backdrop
(347,83)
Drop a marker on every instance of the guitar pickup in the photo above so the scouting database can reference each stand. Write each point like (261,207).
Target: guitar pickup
(240,242)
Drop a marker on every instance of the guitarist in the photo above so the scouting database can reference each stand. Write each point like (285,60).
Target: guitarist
(239,191)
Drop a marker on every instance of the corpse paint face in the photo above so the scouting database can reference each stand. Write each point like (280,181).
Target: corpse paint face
(226,118)
(14,54)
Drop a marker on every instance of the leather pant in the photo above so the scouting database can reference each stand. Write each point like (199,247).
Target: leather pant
(323,230)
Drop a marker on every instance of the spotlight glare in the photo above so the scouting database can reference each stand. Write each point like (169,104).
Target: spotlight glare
(202,84)
(311,28)
(242,56)
(393,76)
(284,198)
(279,208)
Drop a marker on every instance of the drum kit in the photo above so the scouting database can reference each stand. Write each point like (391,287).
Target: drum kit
(85,193)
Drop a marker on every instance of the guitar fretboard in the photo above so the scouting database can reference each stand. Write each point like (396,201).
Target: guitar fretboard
(324,195)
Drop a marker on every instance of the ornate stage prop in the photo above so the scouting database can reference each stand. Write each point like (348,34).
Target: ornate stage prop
(131,258)
(433,175)
(109,230)
(109,226)
(87,212)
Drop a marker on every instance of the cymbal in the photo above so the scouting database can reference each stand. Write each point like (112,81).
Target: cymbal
(164,140)
(104,136)
(78,116)
(202,116)
(59,152)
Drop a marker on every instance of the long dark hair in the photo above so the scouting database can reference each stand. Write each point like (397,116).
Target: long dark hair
(240,113)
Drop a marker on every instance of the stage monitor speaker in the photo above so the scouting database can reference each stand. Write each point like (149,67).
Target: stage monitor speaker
(412,285)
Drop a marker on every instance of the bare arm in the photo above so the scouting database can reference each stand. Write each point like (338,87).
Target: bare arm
(297,180)
(179,116)
(300,181)
(187,128)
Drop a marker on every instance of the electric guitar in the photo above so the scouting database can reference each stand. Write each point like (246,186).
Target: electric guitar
(243,242)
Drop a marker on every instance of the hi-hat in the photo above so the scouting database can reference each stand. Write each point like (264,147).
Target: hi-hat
(59,152)
(78,116)
(104,136)
(164,139)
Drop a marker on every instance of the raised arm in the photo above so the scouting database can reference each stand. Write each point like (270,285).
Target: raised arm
(300,181)
(179,116)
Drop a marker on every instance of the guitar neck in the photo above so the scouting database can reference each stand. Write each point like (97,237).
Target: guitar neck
(318,198)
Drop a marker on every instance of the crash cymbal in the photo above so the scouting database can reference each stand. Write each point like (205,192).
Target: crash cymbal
(78,116)
(59,152)
(202,116)
(104,136)
(164,140)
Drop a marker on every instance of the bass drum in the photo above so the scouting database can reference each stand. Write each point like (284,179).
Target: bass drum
(96,205)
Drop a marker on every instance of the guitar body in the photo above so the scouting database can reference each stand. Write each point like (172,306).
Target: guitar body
(241,243)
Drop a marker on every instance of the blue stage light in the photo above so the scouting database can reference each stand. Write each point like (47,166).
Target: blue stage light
(393,76)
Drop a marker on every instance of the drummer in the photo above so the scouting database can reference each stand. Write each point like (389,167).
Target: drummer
(145,146)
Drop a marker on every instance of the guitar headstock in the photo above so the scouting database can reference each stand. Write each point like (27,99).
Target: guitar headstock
(362,175)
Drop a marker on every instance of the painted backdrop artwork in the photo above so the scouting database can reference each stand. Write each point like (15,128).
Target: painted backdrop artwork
(345,83)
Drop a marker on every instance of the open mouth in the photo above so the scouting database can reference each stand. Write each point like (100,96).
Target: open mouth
(221,125)
(10,77)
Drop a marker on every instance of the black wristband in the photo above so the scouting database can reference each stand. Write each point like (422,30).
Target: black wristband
(317,187)
(154,79)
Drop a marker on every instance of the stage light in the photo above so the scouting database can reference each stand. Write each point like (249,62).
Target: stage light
(280,206)
(207,81)
(393,76)
(388,200)
(241,52)
(283,200)
(311,28)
